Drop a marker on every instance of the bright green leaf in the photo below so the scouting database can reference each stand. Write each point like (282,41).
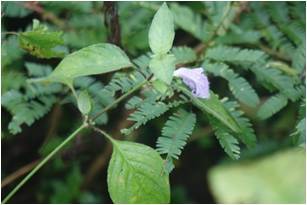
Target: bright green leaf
(84,102)
(135,175)
(91,60)
(40,42)
(163,67)
(160,86)
(278,178)
(161,32)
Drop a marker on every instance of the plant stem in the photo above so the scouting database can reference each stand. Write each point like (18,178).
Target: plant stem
(43,162)
(120,99)
(104,134)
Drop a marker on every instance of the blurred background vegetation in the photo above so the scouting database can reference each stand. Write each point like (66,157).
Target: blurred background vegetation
(271,172)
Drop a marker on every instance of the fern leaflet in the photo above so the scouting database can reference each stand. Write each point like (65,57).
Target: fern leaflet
(241,89)
(175,134)
(272,106)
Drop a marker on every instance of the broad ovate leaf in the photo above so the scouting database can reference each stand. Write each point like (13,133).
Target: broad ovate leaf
(84,102)
(163,66)
(161,32)
(95,59)
(136,175)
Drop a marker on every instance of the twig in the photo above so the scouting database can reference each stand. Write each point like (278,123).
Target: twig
(112,22)
(21,171)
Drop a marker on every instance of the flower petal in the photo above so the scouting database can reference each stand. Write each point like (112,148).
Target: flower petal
(196,80)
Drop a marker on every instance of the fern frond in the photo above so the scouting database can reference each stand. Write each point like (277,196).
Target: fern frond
(142,61)
(299,58)
(123,82)
(149,97)
(297,11)
(175,134)
(144,113)
(279,12)
(239,37)
(189,21)
(240,88)
(272,106)
(234,54)
(299,134)
(227,141)
(12,80)
(184,54)
(37,70)
(274,36)
(247,136)
(282,83)
(259,15)
(295,32)
(25,111)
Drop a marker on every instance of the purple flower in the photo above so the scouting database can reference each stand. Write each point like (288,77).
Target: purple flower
(196,80)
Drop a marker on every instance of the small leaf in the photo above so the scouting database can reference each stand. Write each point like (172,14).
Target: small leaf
(40,42)
(163,67)
(84,102)
(161,32)
(94,59)
(136,175)
(160,86)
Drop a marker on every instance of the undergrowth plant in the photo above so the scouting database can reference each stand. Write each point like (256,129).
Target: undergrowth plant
(266,43)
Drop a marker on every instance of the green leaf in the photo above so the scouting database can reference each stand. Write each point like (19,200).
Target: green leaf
(214,107)
(160,86)
(163,67)
(271,106)
(161,32)
(84,102)
(175,134)
(94,59)
(278,178)
(135,175)
(40,42)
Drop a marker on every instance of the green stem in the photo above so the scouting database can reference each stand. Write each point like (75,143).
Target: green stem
(68,139)
(43,162)
(120,99)
(104,134)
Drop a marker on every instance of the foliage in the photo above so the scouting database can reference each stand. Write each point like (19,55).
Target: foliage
(139,169)
(173,139)
(241,182)
(257,48)
(40,42)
